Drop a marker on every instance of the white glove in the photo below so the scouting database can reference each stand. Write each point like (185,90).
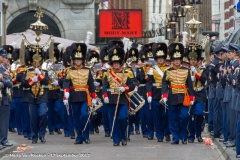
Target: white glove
(65,102)
(165,100)
(37,71)
(191,103)
(150,72)
(135,89)
(66,95)
(149,99)
(193,69)
(94,101)
(50,72)
(106,100)
(35,79)
(193,78)
(55,83)
(96,84)
(121,89)
(107,66)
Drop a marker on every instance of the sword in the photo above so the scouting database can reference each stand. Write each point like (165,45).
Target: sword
(67,108)
(190,113)
(88,118)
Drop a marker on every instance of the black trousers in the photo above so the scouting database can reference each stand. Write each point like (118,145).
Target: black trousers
(4,122)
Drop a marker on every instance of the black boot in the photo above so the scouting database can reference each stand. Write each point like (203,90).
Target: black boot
(58,131)
(96,129)
(124,142)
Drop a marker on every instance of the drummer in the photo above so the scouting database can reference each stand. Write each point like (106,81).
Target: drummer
(153,88)
(95,122)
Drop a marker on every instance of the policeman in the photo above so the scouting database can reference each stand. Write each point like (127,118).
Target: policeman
(13,116)
(21,107)
(198,77)
(154,86)
(80,91)
(233,48)
(117,82)
(5,96)
(221,93)
(177,90)
(237,108)
(33,80)
(105,66)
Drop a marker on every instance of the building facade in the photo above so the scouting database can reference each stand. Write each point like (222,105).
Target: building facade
(69,19)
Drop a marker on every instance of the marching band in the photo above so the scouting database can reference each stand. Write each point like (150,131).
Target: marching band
(166,90)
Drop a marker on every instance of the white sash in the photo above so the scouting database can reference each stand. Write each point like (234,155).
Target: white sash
(159,71)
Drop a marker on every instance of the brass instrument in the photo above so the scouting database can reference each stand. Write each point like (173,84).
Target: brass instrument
(14,67)
(48,65)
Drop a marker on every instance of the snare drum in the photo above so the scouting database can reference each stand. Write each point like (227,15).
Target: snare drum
(136,102)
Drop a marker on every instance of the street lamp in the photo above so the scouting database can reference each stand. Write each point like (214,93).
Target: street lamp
(172,17)
(189,3)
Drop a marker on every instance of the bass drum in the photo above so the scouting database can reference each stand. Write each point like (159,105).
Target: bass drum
(136,102)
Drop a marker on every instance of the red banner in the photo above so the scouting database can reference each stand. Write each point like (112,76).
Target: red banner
(120,23)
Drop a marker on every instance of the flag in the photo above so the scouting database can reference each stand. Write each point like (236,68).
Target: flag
(105,4)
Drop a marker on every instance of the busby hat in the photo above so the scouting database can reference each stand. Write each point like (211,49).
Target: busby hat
(159,50)
(104,54)
(31,56)
(194,51)
(92,55)
(148,49)
(133,54)
(9,50)
(67,56)
(117,43)
(56,53)
(142,55)
(79,51)
(15,54)
(233,47)
(116,54)
(176,51)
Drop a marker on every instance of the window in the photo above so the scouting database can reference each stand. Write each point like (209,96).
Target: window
(154,2)
(160,6)
(153,26)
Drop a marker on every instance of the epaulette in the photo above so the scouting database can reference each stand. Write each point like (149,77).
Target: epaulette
(130,74)
(21,69)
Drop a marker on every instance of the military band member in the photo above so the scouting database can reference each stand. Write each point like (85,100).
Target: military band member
(68,114)
(154,86)
(177,90)
(117,82)
(95,122)
(55,110)
(198,77)
(133,55)
(5,96)
(80,91)
(105,66)
(142,79)
(34,80)
(21,107)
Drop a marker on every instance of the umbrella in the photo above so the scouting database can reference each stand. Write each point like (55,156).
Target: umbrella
(31,35)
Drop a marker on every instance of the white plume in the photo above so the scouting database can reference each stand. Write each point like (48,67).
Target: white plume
(13,44)
(88,38)
(139,47)
(60,46)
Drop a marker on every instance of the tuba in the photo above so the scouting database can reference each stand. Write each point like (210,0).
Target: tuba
(14,67)
(48,65)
